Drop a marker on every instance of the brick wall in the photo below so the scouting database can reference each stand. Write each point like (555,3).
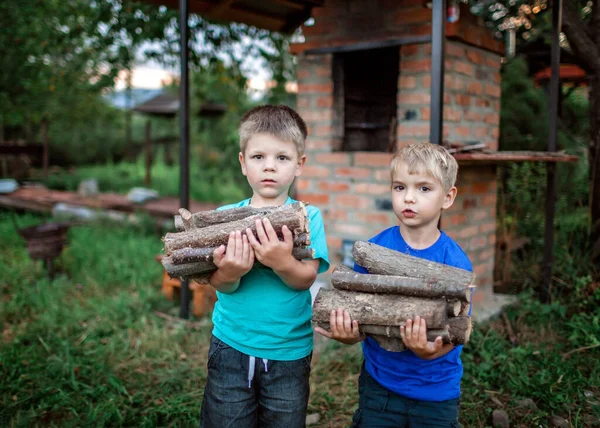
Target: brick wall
(471,94)
(353,188)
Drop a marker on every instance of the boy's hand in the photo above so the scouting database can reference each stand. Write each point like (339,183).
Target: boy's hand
(343,329)
(268,249)
(235,260)
(414,335)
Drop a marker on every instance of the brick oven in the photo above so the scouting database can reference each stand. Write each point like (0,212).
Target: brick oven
(364,89)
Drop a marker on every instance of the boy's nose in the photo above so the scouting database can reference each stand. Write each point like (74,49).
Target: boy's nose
(409,197)
(269,166)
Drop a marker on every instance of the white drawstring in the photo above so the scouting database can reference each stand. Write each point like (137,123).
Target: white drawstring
(251,367)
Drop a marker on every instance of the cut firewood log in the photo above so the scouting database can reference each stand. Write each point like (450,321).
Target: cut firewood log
(393,331)
(457,330)
(392,344)
(384,261)
(344,278)
(195,255)
(178,223)
(464,309)
(291,215)
(208,218)
(454,307)
(380,309)
(192,270)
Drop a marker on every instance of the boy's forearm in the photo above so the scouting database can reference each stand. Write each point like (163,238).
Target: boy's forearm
(297,274)
(222,283)
(445,349)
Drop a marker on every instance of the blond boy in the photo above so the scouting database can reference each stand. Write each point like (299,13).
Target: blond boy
(419,387)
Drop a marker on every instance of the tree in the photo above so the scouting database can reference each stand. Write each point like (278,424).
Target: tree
(581,27)
(74,47)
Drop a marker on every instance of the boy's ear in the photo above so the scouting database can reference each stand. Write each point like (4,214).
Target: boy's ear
(241,158)
(449,198)
(301,162)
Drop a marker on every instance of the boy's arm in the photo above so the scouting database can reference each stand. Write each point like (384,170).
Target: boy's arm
(277,254)
(298,274)
(233,262)
(414,336)
(343,329)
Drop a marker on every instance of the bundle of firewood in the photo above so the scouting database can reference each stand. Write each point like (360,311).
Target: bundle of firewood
(189,252)
(398,287)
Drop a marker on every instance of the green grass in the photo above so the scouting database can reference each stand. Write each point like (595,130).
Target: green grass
(87,349)
(212,184)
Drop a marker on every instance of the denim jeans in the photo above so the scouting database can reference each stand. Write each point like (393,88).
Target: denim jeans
(277,395)
(381,408)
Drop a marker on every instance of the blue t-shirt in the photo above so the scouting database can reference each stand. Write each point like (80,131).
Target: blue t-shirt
(403,372)
(264,317)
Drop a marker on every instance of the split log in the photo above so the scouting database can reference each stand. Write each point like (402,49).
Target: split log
(454,307)
(291,215)
(195,255)
(464,309)
(200,268)
(384,261)
(459,329)
(344,278)
(380,309)
(208,218)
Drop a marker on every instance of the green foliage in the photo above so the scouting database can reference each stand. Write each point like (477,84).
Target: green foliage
(524,126)
(207,183)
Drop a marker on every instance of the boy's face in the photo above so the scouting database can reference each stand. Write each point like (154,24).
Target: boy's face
(418,199)
(270,166)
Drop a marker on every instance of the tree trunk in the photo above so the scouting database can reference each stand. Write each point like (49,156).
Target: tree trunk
(292,215)
(584,40)
(384,261)
(344,278)
(594,165)
(380,309)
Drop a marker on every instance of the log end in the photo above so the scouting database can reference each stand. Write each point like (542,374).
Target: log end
(185,214)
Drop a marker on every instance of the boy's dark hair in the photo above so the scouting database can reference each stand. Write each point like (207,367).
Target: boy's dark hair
(280,121)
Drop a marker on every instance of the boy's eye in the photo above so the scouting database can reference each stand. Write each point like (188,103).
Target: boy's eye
(398,188)
(425,189)
(257,157)
(282,157)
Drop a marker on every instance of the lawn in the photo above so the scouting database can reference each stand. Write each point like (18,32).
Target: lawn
(89,349)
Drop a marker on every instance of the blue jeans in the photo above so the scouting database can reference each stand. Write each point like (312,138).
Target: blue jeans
(381,408)
(277,395)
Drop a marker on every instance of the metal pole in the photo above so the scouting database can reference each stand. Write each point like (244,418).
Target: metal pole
(438,24)
(184,146)
(551,166)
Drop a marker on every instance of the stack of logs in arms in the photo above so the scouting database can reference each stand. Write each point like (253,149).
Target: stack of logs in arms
(189,252)
(398,286)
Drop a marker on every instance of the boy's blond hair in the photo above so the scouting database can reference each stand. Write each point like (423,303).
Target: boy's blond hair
(427,158)
(280,121)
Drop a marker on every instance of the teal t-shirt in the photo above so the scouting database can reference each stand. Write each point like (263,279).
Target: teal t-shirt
(264,317)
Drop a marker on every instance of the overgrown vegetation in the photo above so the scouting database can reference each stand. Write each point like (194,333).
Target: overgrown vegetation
(88,347)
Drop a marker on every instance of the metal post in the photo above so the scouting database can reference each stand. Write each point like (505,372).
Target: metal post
(148,154)
(184,146)
(551,166)
(438,24)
